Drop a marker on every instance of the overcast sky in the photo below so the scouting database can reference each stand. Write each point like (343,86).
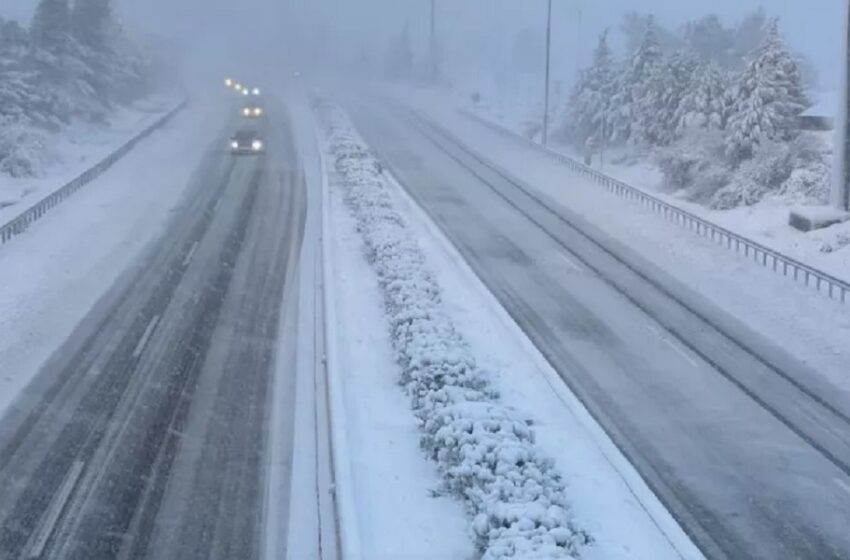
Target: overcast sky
(212,30)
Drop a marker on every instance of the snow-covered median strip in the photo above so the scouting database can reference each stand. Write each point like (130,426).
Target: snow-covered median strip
(485,451)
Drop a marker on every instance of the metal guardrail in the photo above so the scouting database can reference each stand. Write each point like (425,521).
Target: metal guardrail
(21,223)
(824,283)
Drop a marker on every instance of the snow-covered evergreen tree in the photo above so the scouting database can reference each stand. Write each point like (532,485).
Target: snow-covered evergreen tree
(590,100)
(769,97)
(48,79)
(633,88)
(14,39)
(648,55)
(710,40)
(92,22)
(51,24)
(675,81)
(704,104)
(633,28)
(644,93)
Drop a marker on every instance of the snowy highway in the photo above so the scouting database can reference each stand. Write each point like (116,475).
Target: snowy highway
(147,433)
(749,451)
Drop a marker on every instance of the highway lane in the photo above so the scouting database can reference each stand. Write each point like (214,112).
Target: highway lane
(146,435)
(752,463)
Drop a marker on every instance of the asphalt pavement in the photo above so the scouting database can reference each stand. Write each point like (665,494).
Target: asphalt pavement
(748,450)
(146,435)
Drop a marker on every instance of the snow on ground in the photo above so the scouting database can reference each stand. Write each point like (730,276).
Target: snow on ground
(57,270)
(77,148)
(398,515)
(485,451)
(811,327)
(608,498)
(765,222)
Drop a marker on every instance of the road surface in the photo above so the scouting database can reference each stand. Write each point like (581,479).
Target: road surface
(750,454)
(146,436)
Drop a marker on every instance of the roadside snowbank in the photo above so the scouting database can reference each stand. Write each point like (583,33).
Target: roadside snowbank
(485,451)
(58,158)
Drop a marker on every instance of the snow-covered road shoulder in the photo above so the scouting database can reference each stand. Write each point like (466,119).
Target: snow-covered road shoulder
(74,151)
(63,265)
(507,436)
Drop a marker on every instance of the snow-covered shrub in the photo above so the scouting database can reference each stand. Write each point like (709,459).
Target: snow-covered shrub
(24,151)
(770,166)
(800,170)
(485,455)
(810,178)
(694,165)
(808,184)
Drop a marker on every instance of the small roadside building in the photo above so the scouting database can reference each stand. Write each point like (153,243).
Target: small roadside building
(821,115)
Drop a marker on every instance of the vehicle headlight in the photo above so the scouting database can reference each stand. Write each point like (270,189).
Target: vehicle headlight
(257,145)
(258,112)
(246,92)
(228,82)
(246,111)
(256,91)
(234,144)
(238,87)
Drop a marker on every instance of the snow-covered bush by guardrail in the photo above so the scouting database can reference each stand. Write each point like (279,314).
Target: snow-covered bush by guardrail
(485,453)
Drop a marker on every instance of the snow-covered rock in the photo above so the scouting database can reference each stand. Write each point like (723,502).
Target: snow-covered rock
(484,451)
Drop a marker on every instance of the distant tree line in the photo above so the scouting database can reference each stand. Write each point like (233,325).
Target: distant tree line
(72,62)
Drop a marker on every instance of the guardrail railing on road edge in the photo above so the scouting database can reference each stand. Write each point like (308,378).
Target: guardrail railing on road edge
(20,224)
(824,283)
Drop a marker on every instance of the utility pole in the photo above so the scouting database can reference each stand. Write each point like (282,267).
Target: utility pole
(548,61)
(840,197)
(579,38)
(434,65)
